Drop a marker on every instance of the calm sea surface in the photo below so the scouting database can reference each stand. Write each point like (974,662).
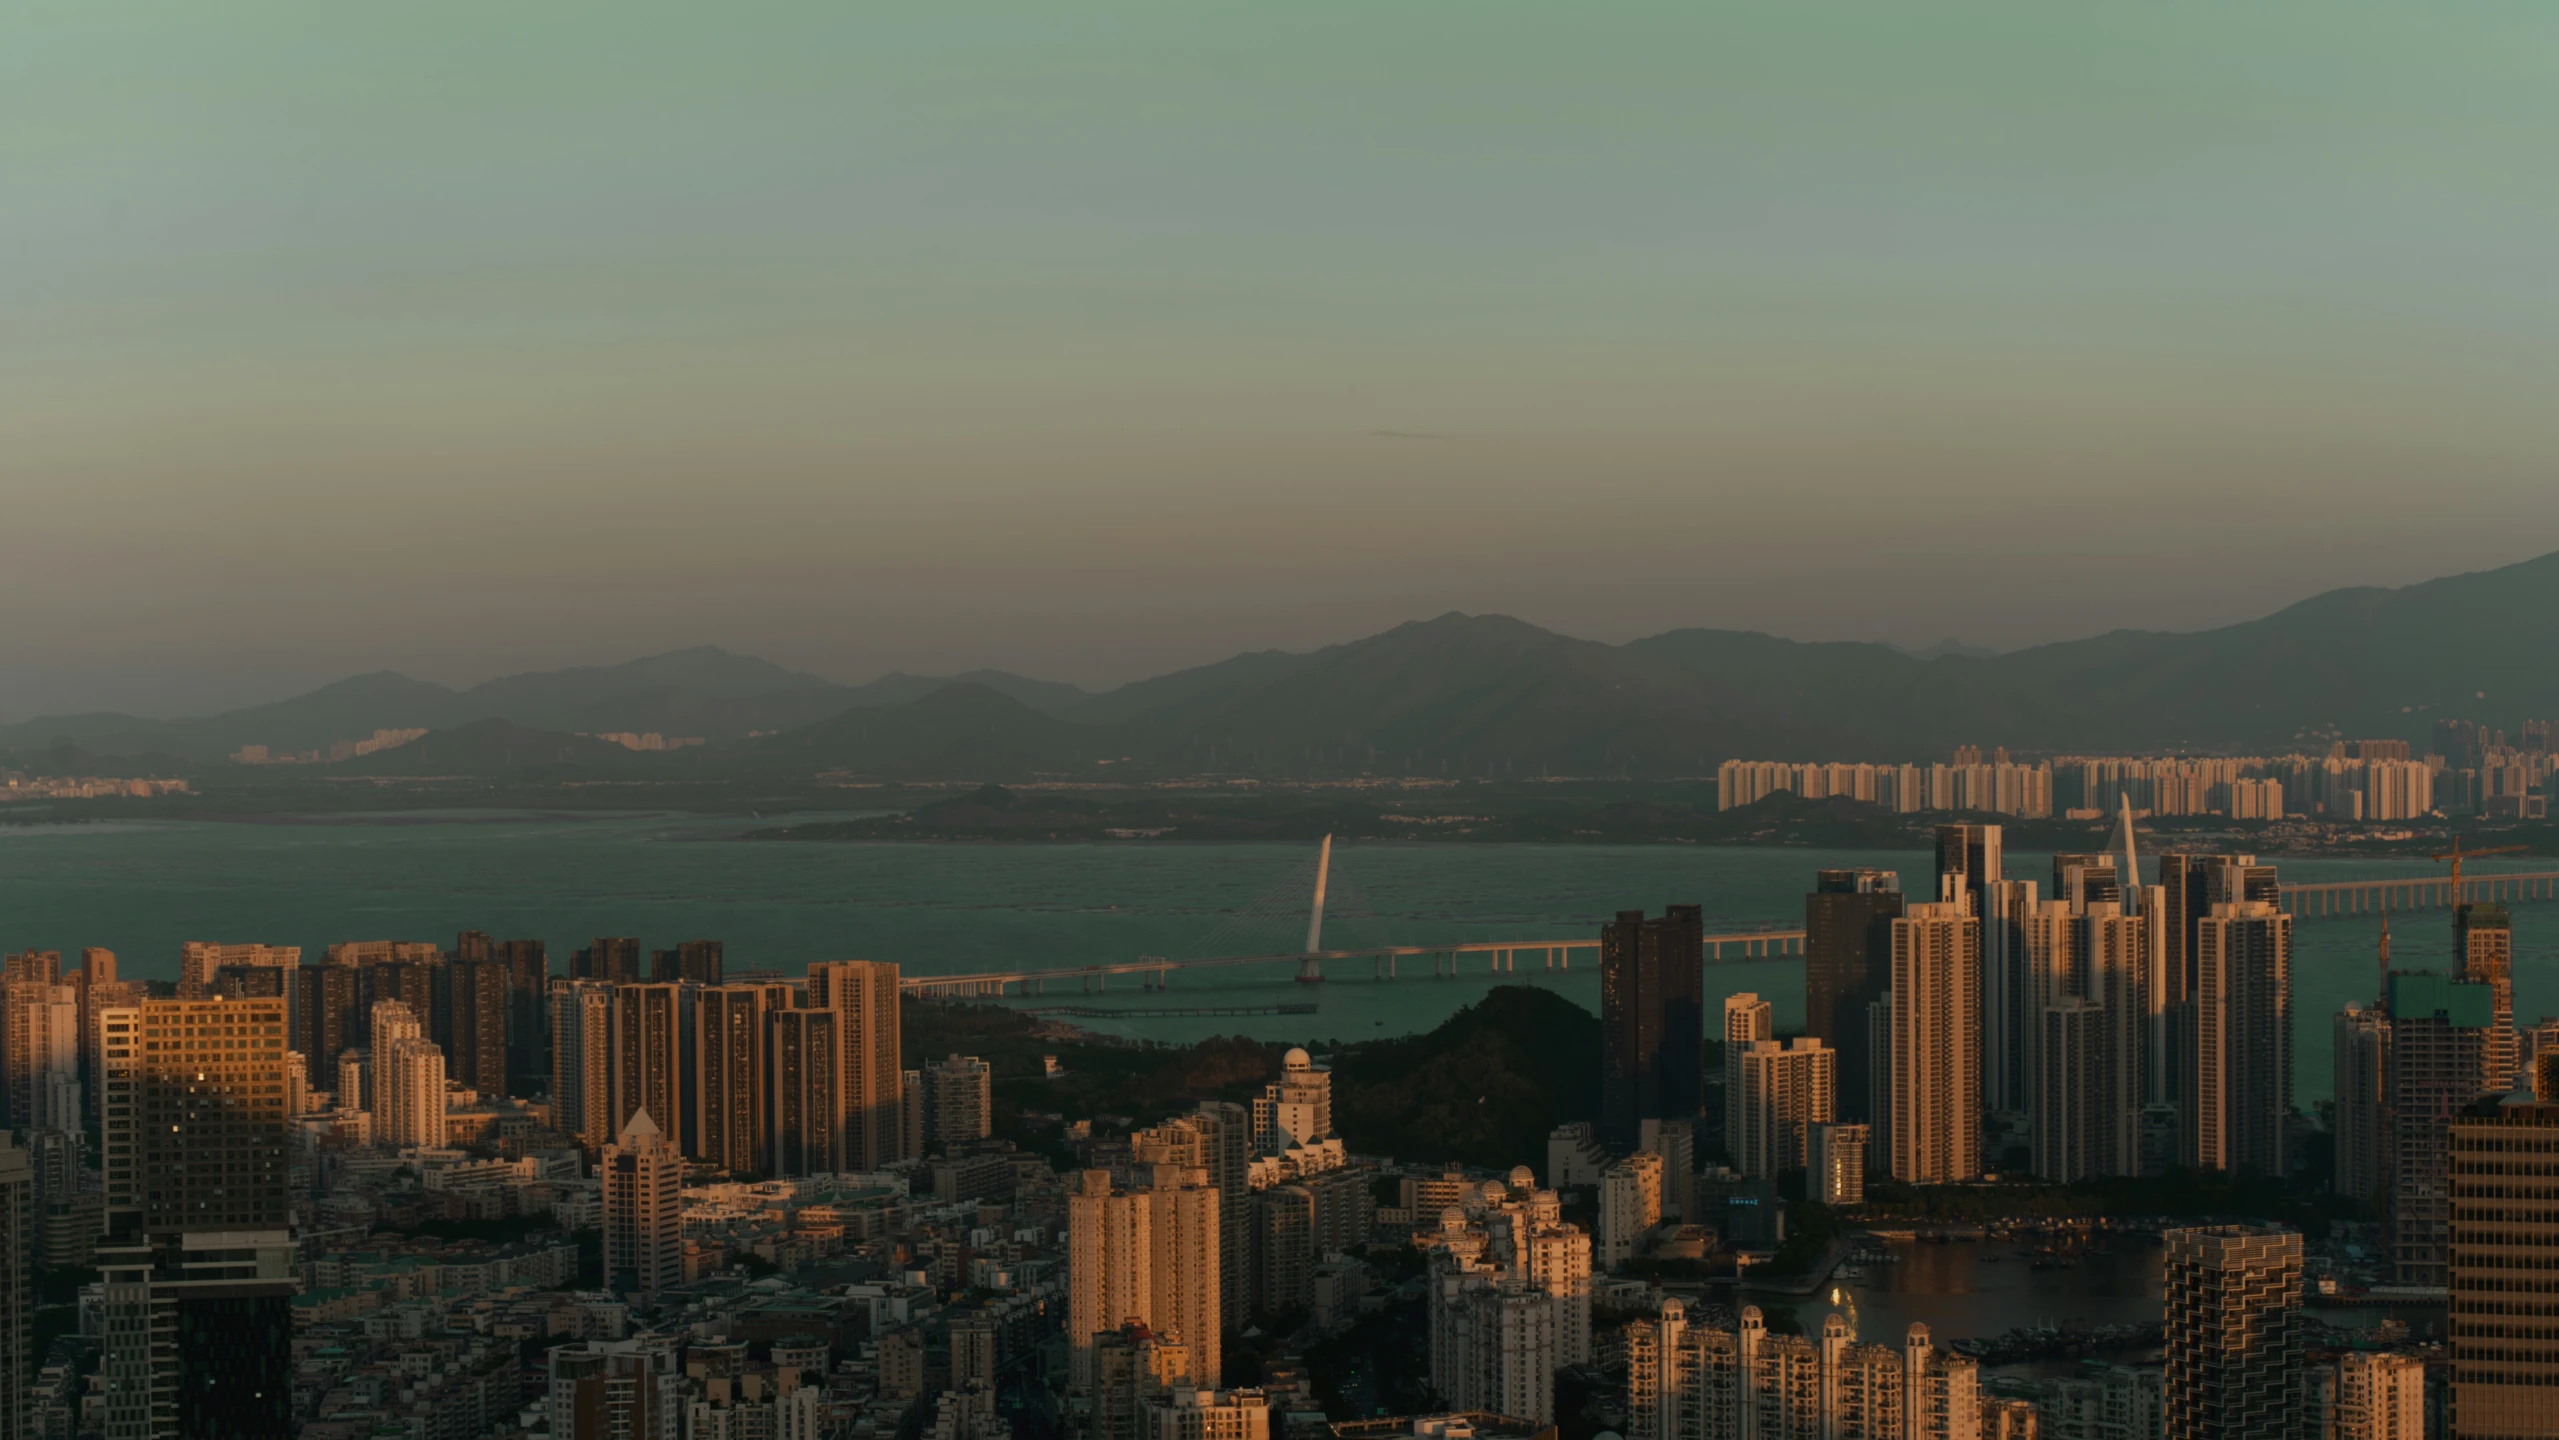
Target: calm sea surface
(141,889)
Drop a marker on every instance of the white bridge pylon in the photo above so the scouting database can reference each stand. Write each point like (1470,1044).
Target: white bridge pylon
(1310,971)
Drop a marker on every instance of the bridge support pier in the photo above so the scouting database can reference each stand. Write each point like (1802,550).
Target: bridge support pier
(1310,971)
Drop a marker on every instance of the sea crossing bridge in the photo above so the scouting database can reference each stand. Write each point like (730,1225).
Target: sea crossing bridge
(1502,957)
(1386,962)
(2420,892)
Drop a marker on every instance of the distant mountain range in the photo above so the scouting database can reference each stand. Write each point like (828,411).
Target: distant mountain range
(1461,695)
(705,691)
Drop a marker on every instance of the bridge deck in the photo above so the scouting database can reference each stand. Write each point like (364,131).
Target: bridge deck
(2309,901)
(1502,956)
(2364,897)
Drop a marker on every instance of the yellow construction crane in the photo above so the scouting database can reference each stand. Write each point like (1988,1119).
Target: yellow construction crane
(2456,855)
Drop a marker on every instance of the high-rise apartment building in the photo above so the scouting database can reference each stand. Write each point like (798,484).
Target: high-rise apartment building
(616,1390)
(2007,1007)
(2397,789)
(252,982)
(1151,1255)
(1509,1299)
(1189,1414)
(365,954)
(914,1123)
(2086,975)
(1835,1164)
(1968,864)
(1217,1138)
(2503,1319)
(1132,1367)
(197,1258)
(2080,881)
(612,959)
(2438,1064)
(1935,1043)
(1783,1089)
(2233,1336)
(478,998)
(2359,1051)
(1848,951)
(2051,969)
(1697,1382)
(39,965)
(99,997)
(2483,946)
(581,1016)
(732,1076)
(2380,1396)
(2116,1402)
(2122,961)
(195,1114)
(2189,886)
(41,1055)
(352,1091)
(97,982)
(325,1023)
(643,1178)
(2070,1091)
(872,1092)
(2241,1024)
(390,1023)
(1494,1348)
(697,962)
(527,967)
(198,1334)
(20,1224)
(1226,1153)
(1295,1226)
(959,1101)
(198,960)
(418,985)
(1295,1110)
(653,1060)
(807,1092)
(408,1103)
(1747,1020)
(1630,1205)
(1676,1142)
(1652,981)
(2182,888)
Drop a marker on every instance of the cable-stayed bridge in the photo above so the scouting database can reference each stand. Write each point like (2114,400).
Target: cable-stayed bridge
(1314,964)
(1384,962)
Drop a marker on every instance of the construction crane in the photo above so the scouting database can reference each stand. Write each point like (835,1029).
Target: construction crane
(2456,855)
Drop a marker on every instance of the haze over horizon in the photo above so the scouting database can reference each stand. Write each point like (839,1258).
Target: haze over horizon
(1094,344)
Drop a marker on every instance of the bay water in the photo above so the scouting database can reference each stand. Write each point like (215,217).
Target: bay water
(142,888)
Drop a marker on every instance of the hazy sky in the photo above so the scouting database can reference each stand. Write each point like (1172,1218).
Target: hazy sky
(1093,339)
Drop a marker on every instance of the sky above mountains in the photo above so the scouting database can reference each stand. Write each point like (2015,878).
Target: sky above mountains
(1092,341)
